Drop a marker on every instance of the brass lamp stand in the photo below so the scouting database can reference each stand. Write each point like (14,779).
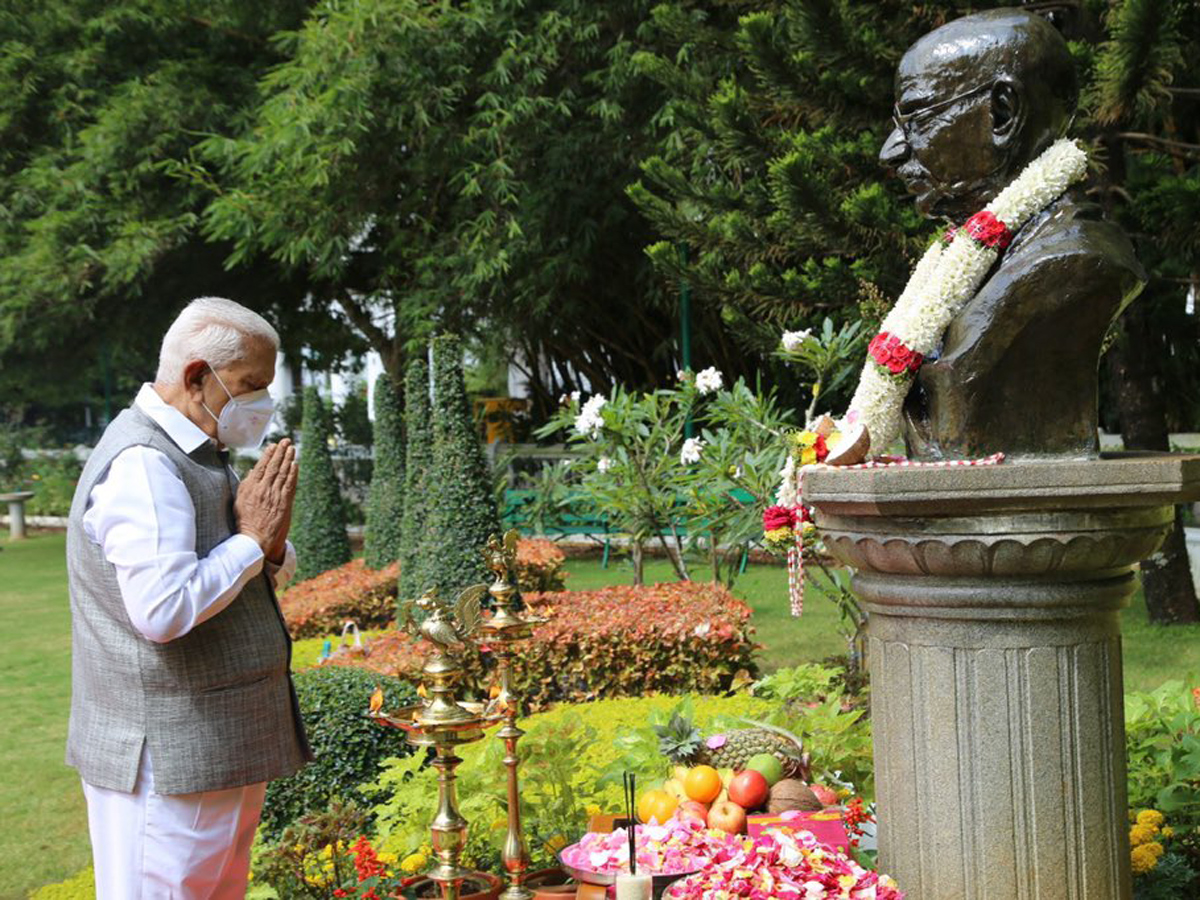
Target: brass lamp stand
(502,632)
(444,723)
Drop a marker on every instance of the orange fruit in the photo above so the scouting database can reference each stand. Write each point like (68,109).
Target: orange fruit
(656,804)
(702,783)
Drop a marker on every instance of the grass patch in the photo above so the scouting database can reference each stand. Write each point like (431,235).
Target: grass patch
(45,820)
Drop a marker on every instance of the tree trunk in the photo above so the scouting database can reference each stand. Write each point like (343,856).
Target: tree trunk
(1166,577)
(635,554)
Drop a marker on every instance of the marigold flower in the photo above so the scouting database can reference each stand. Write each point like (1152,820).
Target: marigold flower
(1151,817)
(1142,860)
(1141,834)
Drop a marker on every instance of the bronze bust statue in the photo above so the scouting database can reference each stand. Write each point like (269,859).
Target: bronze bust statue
(976,101)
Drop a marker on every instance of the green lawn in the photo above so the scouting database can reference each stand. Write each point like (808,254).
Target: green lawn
(45,826)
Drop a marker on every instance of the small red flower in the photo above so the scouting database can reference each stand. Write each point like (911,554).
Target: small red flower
(778,517)
(821,447)
(889,352)
(988,230)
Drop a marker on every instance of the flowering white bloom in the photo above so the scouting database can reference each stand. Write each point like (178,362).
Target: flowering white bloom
(945,279)
(575,396)
(794,340)
(691,451)
(589,421)
(789,491)
(604,464)
(708,380)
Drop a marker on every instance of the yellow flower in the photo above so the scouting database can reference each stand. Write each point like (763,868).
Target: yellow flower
(1168,831)
(556,843)
(1151,817)
(1155,847)
(592,809)
(775,536)
(414,862)
(387,858)
(1141,834)
(328,867)
(1142,860)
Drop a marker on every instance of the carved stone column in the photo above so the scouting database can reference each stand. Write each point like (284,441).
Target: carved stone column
(994,596)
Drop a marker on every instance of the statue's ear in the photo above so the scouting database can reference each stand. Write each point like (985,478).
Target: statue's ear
(1008,110)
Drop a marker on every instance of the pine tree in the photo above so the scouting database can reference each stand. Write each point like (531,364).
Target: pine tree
(767,190)
(385,504)
(419,486)
(463,511)
(319,528)
(1144,102)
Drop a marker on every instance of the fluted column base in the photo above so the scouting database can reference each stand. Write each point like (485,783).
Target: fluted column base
(995,656)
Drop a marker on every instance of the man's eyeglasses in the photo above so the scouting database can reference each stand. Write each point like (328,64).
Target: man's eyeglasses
(901,120)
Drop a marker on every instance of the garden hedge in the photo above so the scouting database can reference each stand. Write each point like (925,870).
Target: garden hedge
(620,641)
(385,504)
(347,744)
(418,464)
(319,606)
(463,513)
(319,520)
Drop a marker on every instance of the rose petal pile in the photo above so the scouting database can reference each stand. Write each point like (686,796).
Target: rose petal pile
(671,849)
(783,864)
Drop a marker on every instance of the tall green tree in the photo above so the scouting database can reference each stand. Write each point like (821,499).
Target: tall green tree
(419,486)
(319,521)
(1143,102)
(102,104)
(385,504)
(461,167)
(462,514)
(767,192)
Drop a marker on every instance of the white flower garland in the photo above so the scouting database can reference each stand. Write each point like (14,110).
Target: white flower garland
(942,282)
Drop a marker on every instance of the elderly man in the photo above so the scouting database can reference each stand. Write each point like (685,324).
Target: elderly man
(182,705)
(977,100)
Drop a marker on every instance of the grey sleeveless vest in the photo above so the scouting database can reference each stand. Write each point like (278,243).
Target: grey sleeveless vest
(216,706)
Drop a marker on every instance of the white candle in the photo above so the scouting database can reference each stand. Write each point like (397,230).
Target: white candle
(634,887)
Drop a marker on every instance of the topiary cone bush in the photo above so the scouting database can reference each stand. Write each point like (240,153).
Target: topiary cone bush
(418,475)
(347,744)
(385,504)
(463,513)
(319,520)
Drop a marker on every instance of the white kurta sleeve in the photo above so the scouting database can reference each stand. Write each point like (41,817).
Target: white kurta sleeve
(142,515)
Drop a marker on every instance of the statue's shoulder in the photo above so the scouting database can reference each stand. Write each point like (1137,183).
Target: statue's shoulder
(1072,234)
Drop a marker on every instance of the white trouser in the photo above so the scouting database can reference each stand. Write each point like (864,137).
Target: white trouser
(148,846)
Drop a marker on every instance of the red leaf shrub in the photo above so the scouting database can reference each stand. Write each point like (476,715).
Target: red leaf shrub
(540,565)
(617,641)
(320,605)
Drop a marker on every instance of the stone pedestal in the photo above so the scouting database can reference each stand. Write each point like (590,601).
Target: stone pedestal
(995,656)
(16,512)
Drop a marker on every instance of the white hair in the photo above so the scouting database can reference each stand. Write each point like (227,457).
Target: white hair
(213,329)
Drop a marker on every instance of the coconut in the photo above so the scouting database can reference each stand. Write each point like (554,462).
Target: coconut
(790,794)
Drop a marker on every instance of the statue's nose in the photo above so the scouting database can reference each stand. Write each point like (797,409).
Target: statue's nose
(894,150)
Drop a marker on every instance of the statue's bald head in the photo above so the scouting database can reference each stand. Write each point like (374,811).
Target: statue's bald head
(977,99)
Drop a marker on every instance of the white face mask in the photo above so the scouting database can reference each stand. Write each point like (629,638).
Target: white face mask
(244,420)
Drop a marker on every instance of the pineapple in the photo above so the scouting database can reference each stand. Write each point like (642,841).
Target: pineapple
(734,749)
(681,742)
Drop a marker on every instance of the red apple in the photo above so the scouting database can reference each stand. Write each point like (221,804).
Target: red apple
(749,789)
(693,809)
(727,816)
(827,796)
